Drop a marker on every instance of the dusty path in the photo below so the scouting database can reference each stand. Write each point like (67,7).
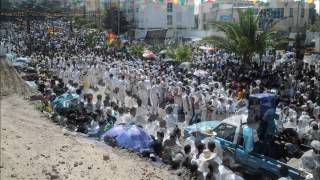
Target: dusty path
(34,148)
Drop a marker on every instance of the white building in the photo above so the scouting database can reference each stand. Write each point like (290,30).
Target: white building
(290,15)
(156,15)
(219,10)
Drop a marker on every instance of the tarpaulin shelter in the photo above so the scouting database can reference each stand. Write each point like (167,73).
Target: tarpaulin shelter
(65,100)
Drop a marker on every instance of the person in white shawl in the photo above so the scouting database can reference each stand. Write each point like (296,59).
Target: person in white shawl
(303,123)
(171,119)
(143,92)
(310,160)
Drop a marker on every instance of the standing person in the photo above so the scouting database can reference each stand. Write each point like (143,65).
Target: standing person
(155,97)
(162,87)
(143,93)
(171,119)
(204,108)
(99,103)
(186,106)
(122,91)
(310,160)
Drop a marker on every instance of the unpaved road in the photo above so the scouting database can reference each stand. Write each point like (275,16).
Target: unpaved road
(32,147)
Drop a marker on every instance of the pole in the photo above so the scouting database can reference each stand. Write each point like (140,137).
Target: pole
(298,16)
(118,17)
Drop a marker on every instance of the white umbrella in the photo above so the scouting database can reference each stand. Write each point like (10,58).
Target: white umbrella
(201,73)
(184,65)
(163,51)
(203,47)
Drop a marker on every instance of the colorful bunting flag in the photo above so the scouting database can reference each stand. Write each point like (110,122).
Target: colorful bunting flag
(310,1)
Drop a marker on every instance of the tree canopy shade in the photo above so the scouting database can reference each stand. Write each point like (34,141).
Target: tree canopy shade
(242,36)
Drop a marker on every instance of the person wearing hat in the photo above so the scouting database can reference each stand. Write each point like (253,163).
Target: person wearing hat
(310,160)
(207,166)
(314,132)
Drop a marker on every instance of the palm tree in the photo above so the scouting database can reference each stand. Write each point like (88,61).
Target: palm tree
(242,36)
(180,54)
(137,49)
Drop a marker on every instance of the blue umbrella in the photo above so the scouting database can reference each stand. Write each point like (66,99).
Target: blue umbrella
(115,131)
(135,138)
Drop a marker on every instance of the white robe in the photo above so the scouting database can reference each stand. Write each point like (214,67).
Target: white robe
(154,98)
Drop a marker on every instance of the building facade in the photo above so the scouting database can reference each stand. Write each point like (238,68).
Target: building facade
(151,15)
(288,15)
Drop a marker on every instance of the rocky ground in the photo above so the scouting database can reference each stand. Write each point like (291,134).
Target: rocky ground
(32,147)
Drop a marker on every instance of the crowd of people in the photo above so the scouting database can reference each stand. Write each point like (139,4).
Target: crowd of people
(116,87)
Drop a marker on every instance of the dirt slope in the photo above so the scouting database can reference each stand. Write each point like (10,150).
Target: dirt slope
(34,148)
(10,81)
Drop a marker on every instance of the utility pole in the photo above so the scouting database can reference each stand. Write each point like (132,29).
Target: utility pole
(118,17)
(298,16)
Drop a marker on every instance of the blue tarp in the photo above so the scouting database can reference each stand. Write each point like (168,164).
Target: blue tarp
(63,99)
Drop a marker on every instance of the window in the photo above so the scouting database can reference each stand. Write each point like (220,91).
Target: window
(302,12)
(137,10)
(169,7)
(226,131)
(169,20)
(179,18)
(291,12)
(277,12)
(240,138)
(281,12)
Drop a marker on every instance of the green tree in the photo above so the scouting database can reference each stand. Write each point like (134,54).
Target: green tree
(315,27)
(90,40)
(136,49)
(242,36)
(180,54)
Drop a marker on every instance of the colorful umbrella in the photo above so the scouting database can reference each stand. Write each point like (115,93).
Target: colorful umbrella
(149,55)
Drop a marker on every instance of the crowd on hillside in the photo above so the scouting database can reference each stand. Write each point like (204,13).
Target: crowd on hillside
(116,87)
